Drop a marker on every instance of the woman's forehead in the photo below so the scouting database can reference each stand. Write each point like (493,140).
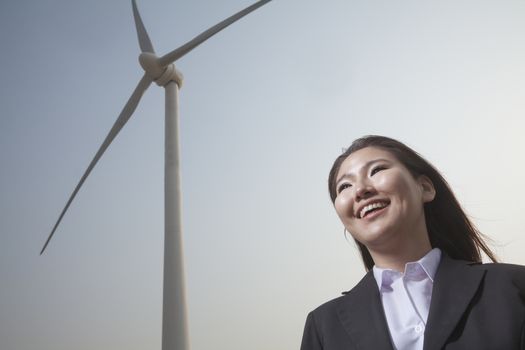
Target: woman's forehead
(363,158)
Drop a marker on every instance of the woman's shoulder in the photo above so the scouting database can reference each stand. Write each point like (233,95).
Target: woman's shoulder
(503,268)
(504,272)
(330,305)
(491,267)
(364,289)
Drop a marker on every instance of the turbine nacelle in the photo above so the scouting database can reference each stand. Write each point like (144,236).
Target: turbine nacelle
(158,73)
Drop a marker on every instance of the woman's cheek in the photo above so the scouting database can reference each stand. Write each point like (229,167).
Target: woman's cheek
(383,181)
(343,205)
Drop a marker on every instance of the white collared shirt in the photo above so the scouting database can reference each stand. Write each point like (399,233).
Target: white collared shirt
(406,299)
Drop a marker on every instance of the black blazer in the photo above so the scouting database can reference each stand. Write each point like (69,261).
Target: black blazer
(474,306)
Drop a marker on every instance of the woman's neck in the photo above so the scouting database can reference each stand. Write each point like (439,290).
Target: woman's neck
(396,257)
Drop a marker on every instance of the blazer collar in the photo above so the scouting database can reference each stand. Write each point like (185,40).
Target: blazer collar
(455,285)
(361,314)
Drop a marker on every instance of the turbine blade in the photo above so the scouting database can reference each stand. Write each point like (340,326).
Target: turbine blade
(199,39)
(124,116)
(142,34)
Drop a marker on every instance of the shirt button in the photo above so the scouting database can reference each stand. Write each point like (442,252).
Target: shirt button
(418,329)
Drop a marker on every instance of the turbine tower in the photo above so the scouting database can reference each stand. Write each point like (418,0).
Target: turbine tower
(162,71)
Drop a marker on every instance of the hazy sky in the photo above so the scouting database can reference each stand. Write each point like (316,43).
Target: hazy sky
(266,107)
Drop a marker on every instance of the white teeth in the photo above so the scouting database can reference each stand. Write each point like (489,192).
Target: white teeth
(369,207)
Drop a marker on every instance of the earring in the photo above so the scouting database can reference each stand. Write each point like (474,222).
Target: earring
(345,232)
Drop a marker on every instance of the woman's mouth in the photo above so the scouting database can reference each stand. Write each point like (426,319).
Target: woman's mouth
(373,209)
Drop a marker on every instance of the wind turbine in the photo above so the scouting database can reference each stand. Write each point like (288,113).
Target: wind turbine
(162,71)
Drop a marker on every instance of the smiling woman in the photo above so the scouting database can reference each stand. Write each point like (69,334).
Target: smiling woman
(426,286)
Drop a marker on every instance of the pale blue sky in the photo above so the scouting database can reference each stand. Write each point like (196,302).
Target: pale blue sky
(266,107)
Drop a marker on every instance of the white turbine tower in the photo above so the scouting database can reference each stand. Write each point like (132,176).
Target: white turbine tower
(162,71)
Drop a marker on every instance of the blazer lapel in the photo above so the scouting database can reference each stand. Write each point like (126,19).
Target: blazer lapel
(455,285)
(363,317)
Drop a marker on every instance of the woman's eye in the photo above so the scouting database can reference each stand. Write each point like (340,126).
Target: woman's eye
(377,169)
(342,187)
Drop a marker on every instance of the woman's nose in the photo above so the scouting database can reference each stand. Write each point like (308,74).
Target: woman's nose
(363,191)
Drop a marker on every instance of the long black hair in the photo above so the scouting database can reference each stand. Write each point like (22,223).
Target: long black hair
(448,226)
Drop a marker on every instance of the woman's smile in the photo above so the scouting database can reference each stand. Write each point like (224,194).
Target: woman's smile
(371,207)
(373,210)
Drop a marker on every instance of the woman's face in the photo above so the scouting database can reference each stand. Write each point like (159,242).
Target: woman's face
(379,201)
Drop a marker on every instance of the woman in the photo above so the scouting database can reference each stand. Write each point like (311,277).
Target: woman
(425,286)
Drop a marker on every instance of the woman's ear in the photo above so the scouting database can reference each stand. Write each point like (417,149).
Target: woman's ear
(428,190)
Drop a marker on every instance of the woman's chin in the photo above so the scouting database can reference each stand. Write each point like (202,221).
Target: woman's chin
(379,236)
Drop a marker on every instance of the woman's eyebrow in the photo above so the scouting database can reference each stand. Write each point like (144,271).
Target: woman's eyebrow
(366,165)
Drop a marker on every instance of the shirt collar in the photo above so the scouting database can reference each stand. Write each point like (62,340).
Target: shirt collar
(429,263)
